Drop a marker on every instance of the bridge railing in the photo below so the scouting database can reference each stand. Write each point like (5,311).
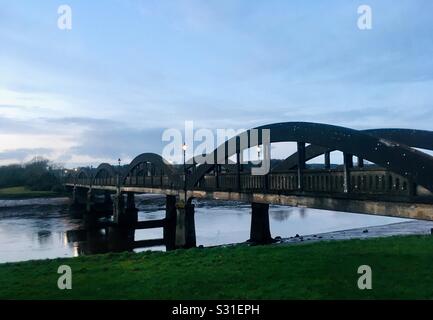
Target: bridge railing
(106,181)
(361,181)
(158,181)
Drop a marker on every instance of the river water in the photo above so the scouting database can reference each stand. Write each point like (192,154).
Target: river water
(44,228)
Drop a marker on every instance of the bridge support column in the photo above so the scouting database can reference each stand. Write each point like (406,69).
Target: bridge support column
(108,203)
(79,200)
(260,232)
(124,216)
(130,204)
(90,200)
(120,239)
(185,225)
(90,216)
(170,222)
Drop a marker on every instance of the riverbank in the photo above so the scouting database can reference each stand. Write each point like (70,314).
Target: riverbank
(323,270)
(406,228)
(18,193)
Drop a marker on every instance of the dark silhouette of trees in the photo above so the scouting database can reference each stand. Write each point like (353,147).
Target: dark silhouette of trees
(39,174)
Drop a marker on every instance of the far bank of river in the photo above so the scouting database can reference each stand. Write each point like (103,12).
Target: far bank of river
(23,193)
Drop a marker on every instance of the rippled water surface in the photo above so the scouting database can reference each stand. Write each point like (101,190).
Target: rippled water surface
(44,228)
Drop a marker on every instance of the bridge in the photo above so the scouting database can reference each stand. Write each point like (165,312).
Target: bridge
(397,181)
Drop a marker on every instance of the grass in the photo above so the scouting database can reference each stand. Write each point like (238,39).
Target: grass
(402,269)
(24,193)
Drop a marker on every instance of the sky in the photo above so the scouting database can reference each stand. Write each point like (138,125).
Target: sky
(128,70)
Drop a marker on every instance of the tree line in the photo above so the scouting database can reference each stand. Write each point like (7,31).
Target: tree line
(38,174)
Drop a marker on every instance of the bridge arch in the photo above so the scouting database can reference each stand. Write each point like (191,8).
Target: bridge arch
(152,163)
(83,176)
(396,157)
(105,174)
(413,138)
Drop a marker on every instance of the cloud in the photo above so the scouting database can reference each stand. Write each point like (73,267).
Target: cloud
(131,69)
(76,140)
(24,154)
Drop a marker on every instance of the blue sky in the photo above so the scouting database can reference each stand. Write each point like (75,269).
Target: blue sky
(130,69)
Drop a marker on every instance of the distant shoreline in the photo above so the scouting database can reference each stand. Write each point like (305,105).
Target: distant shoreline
(23,193)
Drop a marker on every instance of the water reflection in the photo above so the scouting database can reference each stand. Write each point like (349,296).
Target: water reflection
(278,214)
(109,239)
(48,230)
(44,237)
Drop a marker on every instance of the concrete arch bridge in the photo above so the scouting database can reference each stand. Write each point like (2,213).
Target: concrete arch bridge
(397,181)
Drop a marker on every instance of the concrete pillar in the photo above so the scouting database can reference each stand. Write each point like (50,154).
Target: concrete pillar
(90,216)
(90,200)
(120,239)
(79,200)
(185,225)
(170,222)
(131,211)
(118,207)
(260,231)
(91,220)
(108,203)
(124,216)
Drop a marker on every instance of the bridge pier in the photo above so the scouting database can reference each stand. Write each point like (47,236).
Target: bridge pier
(104,208)
(90,215)
(185,225)
(120,239)
(107,205)
(260,232)
(124,215)
(90,201)
(170,222)
(79,200)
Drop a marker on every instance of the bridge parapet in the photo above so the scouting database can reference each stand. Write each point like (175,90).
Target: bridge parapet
(363,181)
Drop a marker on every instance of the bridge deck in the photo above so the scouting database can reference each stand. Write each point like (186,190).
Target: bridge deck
(372,191)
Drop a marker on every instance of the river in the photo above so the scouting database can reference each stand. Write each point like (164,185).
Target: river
(44,228)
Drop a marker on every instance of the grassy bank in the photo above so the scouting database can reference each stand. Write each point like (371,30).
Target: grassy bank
(25,193)
(402,268)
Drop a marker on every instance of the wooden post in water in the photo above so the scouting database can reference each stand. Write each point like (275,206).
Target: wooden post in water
(185,225)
